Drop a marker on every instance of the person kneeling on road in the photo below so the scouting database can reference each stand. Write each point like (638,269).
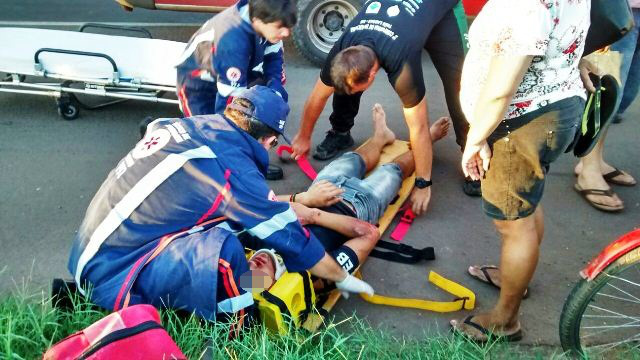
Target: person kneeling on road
(159,229)
(240,46)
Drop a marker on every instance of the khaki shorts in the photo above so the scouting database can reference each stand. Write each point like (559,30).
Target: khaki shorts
(522,150)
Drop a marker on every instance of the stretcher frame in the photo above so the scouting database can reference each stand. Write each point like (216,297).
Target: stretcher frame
(64,92)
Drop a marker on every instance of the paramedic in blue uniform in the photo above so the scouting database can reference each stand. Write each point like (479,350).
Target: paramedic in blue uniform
(194,181)
(240,46)
(391,35)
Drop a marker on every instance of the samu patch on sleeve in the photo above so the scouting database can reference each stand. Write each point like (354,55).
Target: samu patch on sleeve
(233,74)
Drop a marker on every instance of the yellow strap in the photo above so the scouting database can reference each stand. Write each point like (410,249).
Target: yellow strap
(466,299)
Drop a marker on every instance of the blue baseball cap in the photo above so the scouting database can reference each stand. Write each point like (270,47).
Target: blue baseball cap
(268,107)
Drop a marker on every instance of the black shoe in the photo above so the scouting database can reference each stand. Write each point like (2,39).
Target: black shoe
(63,293)
(332,144)
(142,125)
(472,187)
(274,172)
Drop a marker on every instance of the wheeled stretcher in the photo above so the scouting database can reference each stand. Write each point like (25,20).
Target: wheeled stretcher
(118,67)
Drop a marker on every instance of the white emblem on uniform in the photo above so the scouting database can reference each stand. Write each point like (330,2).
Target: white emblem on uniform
(373,8)
(344,261)
(393,11)
(233,74)
(272,196)
(281,124)
(151,143)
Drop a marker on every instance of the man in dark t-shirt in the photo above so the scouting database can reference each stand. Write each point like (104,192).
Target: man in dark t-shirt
(347,202)
(391,35)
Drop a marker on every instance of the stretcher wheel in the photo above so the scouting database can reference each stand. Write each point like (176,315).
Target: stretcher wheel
(68,107)
(68,111)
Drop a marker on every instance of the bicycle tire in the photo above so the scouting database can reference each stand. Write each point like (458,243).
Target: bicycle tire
(581,296)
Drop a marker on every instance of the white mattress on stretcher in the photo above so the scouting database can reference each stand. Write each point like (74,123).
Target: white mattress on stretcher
(150,61)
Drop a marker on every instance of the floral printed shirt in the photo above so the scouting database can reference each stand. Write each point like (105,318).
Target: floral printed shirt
(553,31)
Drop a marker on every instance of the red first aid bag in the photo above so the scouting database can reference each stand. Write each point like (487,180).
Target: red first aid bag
(134,332)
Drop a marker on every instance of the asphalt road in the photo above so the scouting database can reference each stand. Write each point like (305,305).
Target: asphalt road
(50,169)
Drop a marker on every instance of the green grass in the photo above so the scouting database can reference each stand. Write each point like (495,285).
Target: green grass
(29,324)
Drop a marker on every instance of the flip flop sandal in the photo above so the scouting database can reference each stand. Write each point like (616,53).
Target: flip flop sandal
(487,278)
(599,192)
(488,335)
(610,177)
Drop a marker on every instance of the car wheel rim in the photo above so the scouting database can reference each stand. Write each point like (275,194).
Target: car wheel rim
(328,21)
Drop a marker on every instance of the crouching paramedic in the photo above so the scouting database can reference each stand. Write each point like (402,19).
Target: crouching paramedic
(237,47)
(158,229)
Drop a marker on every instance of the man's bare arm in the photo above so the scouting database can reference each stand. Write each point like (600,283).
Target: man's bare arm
(313,107)
(420,138)
(362,235)
(320,194)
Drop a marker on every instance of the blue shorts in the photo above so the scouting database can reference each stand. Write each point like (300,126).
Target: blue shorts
(369,196)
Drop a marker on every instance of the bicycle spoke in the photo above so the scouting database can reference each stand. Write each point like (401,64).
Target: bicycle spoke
(618,298)
(607,328)
(627,325)
(614,344)
(622,291)
(623,279)
(612,312)
(602,316)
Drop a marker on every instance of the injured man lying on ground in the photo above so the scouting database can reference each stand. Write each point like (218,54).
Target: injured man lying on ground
(342,204)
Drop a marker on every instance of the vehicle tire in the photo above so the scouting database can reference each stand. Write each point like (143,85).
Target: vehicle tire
(592,294)
(320,24)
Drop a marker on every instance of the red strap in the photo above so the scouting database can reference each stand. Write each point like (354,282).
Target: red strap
(403,226)
(219,198)
(184,102)
(302,161)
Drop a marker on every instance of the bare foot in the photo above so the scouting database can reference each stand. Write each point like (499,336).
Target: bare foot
(380,129)
(440,128)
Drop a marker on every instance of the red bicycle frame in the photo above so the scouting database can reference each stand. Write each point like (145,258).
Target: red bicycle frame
(611,253)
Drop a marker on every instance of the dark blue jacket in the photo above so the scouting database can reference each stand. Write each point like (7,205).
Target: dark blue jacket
(226,50)
(184,172)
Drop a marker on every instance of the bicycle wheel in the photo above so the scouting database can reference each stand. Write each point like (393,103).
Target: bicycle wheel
(601,317)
